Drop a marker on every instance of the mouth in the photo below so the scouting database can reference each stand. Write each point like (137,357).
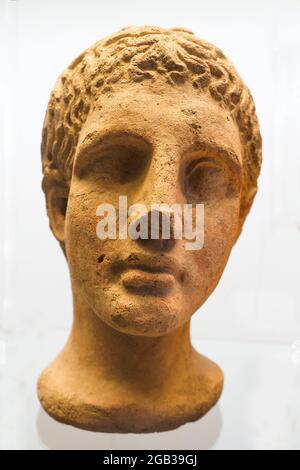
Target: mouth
(155,275)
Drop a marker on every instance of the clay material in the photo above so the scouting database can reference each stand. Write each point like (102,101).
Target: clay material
(161,117)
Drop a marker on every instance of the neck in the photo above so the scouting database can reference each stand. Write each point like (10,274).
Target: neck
(148,361)
(106,380)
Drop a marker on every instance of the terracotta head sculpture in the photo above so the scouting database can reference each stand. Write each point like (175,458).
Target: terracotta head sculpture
(160,117)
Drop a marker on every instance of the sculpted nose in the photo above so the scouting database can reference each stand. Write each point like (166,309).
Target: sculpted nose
(156,230)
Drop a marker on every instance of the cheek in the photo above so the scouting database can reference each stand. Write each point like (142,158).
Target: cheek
(221,223)
(83,248)
(220,228)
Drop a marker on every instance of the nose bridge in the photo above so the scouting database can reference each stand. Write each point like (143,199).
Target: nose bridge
(161,184)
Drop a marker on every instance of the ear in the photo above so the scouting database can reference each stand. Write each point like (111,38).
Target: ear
(57,200)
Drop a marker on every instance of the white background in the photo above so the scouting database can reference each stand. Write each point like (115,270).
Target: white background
(251,323)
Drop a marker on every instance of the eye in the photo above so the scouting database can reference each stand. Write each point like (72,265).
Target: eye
(115,165)
(206,181)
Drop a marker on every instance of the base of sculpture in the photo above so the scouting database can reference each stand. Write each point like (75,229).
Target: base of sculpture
(68,397)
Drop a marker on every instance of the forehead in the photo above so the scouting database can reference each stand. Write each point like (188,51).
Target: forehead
(181,117)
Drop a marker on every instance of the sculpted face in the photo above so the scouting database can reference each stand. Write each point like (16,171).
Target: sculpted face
(153,148)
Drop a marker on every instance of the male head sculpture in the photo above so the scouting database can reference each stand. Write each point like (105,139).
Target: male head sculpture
(161,117)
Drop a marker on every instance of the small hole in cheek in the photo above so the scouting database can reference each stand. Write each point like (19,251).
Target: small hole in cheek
(101,258)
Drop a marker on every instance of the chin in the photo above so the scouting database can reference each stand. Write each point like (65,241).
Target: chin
(144,315)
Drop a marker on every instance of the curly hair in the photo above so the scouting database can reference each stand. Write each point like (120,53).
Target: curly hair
(137,54)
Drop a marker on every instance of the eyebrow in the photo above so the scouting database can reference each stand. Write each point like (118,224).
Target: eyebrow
(93,141)
(211,148)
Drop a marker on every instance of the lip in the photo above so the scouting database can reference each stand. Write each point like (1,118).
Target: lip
(142,281)
(156,275)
